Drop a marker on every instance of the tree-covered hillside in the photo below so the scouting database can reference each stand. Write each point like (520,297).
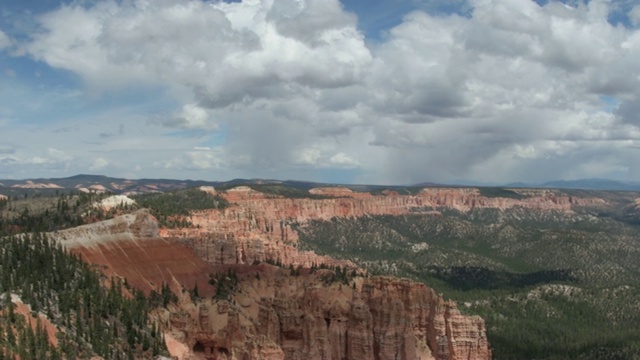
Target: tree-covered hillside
(93,316)
(172,208)
(39,213)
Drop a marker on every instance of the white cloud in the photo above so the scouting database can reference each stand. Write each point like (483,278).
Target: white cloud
(5,41)
(317,158)
(196,159)
(208,46)
(14,162)
(56,154)
(204,158)
(343,160)
(192,116)
(634,15)
(98,164)
(515,91)
(309,157)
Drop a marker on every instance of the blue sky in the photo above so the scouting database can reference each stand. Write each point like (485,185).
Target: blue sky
(399,91)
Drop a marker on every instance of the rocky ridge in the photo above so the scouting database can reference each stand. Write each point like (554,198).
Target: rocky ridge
(258,226)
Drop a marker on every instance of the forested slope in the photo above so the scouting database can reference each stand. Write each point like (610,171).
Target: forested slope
(550,284)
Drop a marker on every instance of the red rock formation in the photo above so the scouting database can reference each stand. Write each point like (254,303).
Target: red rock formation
(299,318)
(274,315)
(431,321)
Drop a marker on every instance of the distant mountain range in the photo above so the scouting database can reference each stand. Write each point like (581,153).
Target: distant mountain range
(88,183)
(584,184)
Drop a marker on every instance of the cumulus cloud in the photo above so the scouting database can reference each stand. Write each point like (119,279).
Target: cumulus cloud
(343,160)
(191,116)
(13,162)
(98,164)
(227,52)
(196,159)
(513,91)
(521,82)
(316,157)
(5,42)
(634,15)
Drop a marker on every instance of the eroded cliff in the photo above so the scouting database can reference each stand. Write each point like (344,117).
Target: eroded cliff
(277,316)
(273,312)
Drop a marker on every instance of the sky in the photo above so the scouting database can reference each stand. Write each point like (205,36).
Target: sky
(352,91)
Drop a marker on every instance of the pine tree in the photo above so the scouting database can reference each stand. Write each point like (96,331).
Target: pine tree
(11,338)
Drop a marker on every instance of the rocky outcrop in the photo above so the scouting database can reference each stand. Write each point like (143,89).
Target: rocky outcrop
(114,201)
(227,249)
(470,198)
(286,317)
(274,315)
(339,192)
(401,307)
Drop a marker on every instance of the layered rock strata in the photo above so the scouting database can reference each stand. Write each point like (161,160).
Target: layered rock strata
(283,317)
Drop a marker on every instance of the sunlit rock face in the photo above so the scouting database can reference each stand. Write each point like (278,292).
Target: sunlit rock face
(278,316)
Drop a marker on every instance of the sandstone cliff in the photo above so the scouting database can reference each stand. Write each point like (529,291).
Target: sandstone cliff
(284,317)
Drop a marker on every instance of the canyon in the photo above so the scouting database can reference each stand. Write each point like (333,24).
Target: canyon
(273,313)
(264,270)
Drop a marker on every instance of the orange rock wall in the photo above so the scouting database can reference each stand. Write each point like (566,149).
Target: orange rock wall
(382,318)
